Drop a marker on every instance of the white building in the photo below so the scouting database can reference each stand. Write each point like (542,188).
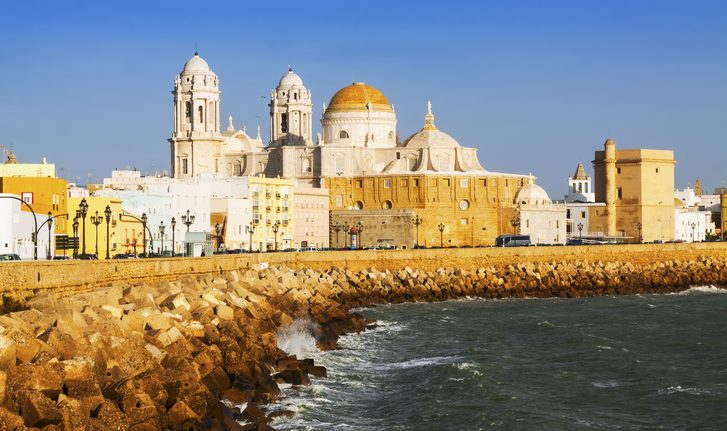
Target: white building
(312,227)
(539,217)
(691,225)
(17,227)
(580,188)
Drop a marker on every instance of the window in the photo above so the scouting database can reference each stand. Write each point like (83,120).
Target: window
(657,170)
(416,182)
(200,111)
(188,110)
(583,214)
(359,205)
(343,134)
(463,221)
(387,183)
(217,165)
(464,182)
(27,197)
(446,182)
(387,205)
(405,183)
(184,166)
(391,135)
(284,123)
(339,200)
(567,214)
(464,204)
(238,169)
(586,187)
(398,155)
(618,192)
(527,223)
(618,170)
(359,184)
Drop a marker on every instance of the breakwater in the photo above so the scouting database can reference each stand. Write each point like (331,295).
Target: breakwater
(162,353)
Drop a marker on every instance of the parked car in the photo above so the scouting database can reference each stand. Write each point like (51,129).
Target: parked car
(9,256)
(62,257)
(512,240)
(87,256)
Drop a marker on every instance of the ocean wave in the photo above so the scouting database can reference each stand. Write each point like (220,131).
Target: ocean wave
(420,362)
(700,290)
(606,384)
(678,389)
(299,338)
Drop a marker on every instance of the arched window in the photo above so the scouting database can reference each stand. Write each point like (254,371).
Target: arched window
(586,188)
(359,205)
(200,111)
(238,169)
(391,135)
(580,187)
(188,110)
(343,134)
(304,126)
(387,205)
(284,123)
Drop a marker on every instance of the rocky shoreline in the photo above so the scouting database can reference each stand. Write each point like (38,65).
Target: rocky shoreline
(163,355)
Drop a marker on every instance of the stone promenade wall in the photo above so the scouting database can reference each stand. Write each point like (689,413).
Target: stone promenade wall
(69,277)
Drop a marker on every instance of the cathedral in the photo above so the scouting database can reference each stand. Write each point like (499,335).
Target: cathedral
(358,156)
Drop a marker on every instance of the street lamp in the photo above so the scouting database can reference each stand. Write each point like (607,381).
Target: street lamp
(251,230)
(417,222)
(276,227)
(96,220)
(441,235)
(143,231)
(75,236)
(580,230)
(345,234)
(337,227)
(50,225)
(162,228)
(174,227)
(639,226)
(83,208)
(359,229)
(187,220)
(693,226)
(107,214)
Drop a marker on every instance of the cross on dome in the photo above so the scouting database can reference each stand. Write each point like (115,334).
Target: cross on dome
(429,118)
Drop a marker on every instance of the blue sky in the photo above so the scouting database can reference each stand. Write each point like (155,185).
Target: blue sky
(536,86)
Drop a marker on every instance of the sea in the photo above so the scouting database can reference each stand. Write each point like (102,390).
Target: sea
(646,362)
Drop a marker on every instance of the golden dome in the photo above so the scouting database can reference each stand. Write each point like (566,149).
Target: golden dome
(356,97)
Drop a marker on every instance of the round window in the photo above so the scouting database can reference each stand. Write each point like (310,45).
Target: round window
(388,205)
(359,205)
(464,204)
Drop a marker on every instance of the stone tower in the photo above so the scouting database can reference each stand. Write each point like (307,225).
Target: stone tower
(196,138)
(290,112)
(610,162)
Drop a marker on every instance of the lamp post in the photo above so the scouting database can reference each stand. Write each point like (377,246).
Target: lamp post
(580,230)
(337,227)
(187,220)
(174,227)
(96,220)
(251,230)
(441,235)
(417,222)
(75,237)
(143,238)
(345,234)
(83,208)
(107,214)
(693,226)
(639,226)
(276,227)
(162,228)
(50,225)
(359,230)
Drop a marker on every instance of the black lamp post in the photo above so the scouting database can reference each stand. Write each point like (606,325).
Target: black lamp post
(580,230)
(441,235)
(162,228)
(107,214)
(250,230)
(50,225)
(639,226)
(187,220)
(359,229)
(693,226)
(96,220)
(417,222)
(337,227)
(345,234)
(174,227)
(83,208)
(276,227)
(75,237)
(143,231)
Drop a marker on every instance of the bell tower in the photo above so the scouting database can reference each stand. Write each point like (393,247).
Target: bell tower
(196,138)
(291,121)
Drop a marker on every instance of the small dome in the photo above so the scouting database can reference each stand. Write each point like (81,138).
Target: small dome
(196,64)
(290,79)
(356,97)
(430,138)
(532,194)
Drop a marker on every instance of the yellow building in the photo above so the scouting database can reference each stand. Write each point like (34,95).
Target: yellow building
(11,168)
(474,209)
(121,234)
(637,186)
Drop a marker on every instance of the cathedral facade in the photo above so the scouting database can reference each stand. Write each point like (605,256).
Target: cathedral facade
(358,156)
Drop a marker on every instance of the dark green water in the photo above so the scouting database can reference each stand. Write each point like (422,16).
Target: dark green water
(629,362)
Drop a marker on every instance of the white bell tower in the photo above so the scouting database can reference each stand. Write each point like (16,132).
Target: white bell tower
(291,121)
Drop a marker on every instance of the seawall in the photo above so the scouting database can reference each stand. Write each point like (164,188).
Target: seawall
(68,277)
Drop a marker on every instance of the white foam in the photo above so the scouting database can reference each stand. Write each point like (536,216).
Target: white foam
(678,389)
(420,362)
(606,384)
(299,338)
(701,289)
